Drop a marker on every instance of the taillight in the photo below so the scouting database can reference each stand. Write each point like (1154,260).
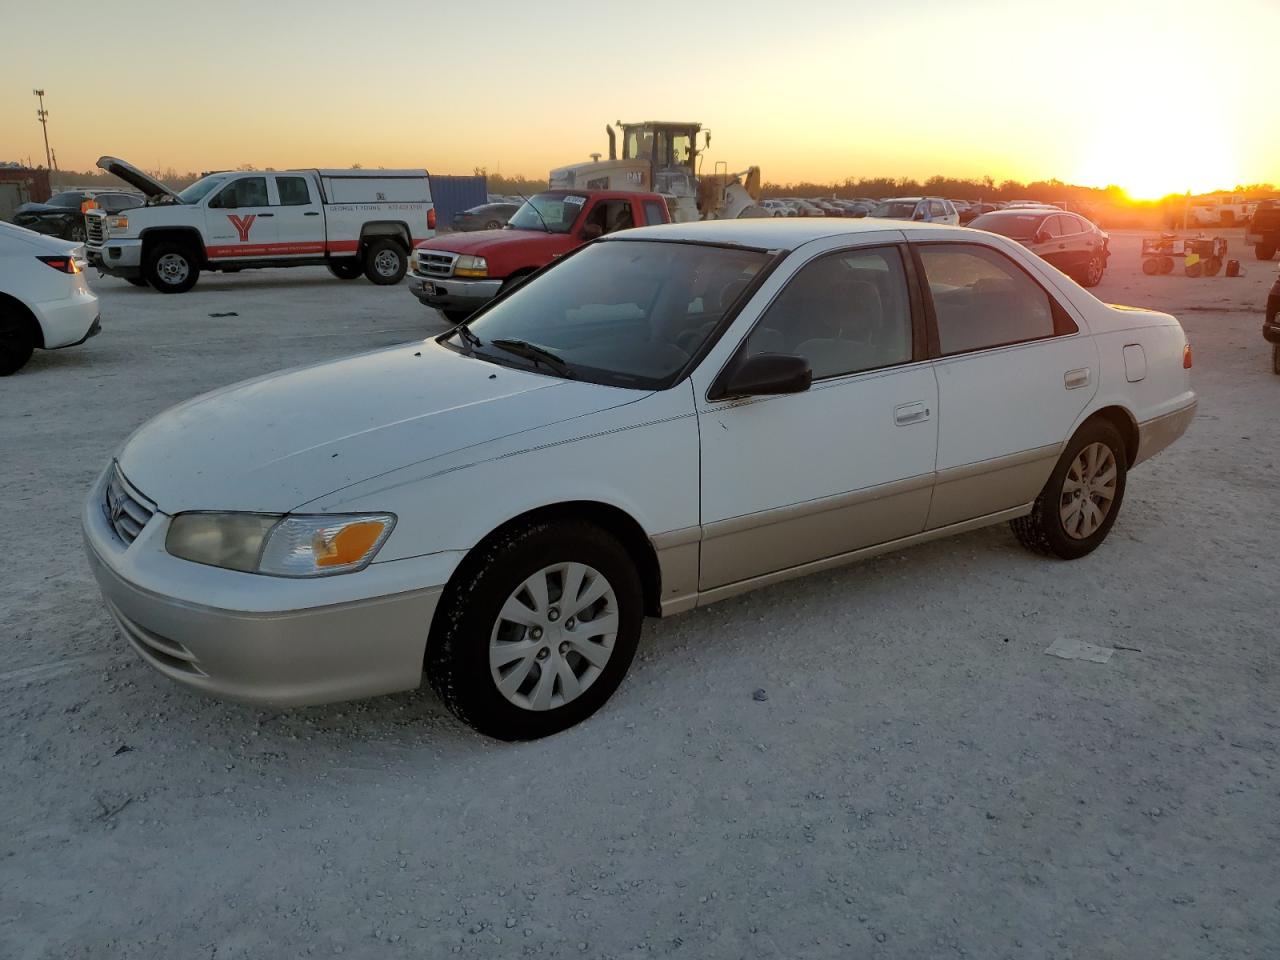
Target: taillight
(61,264)
(431,219)
(1186,356)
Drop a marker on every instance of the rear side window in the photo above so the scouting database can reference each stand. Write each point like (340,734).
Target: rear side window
(844,313)
(982,299)
(653,212)
(293,191)
(936,209)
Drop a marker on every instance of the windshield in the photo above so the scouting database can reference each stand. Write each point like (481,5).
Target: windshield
(558,211)
(69,199)
(200,189)
(1015,226)
(622,313)
(895,209)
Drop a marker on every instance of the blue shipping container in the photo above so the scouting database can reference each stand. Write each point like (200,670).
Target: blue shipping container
(454,194)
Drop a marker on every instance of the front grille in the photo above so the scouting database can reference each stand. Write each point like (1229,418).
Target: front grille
(433,263)
(95,229)
(125,508)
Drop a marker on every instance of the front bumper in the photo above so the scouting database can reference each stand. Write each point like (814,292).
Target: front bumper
(117,257)
(265,640)
(453,294)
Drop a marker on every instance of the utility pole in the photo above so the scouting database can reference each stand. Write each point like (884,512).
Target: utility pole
(43,116)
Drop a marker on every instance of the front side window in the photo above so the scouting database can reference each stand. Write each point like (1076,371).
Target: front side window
(844,313)
(627,313)
(611,216)
(293,191)
(202,188)
(654,212)
(982,299)
(245,192)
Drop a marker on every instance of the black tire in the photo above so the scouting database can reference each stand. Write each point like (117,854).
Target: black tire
(1151,266)
(348,268)
(76,232)
(17,342)
(457,660)
(493,225)
(1093,271)
(379,256)
(514,281)
(138,281)
(171,268)
(1042,530)
(456,316)
(1194,269)
(1275,359)
(1264,251)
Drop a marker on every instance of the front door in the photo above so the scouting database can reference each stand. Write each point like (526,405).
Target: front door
(791,479)
(1014,376)
(240,221)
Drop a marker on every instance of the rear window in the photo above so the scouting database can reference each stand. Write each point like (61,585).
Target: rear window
(69,198)
(1015,226)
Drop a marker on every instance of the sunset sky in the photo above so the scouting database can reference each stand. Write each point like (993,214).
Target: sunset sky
(1085,91)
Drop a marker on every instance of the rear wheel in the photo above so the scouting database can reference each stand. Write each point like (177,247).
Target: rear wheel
(493,225)
(385,262)
(17,342)
(1166,264)
(538,631)
(346,269)
(1264,251)
(1078,505)
(171,268)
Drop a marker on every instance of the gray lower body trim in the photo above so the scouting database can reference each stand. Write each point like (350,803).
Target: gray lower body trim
(1158,432)
(989,486)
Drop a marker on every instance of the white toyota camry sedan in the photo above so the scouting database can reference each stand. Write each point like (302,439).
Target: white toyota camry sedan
(665,418)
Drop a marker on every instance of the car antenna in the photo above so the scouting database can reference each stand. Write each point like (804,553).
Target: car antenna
(535,209)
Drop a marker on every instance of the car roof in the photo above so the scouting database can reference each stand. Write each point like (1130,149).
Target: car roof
(770,233)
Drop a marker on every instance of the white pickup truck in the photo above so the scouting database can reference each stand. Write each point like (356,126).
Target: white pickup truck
(353,221)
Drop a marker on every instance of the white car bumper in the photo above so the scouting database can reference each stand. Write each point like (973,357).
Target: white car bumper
(68,320)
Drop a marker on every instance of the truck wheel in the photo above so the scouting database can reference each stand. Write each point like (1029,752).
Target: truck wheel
(171,268)
(538,629)
(347,268)
(1078,505)
(17,342)
(1264,251)
(385,262)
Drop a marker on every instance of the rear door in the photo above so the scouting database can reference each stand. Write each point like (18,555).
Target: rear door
(240,222)
(299,223)
(1015,372)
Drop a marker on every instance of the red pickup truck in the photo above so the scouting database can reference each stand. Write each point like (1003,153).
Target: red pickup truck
(458,273)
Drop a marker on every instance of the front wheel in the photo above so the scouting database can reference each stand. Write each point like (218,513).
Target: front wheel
(346,269)
(537,631)
(1079,502)
(1093,271)
(1264,251)
(171,268)
(385,262)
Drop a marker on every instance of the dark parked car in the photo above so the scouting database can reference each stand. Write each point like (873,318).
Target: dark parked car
(1067,240)
(62,215)
(1271,325)
(487,216)
(1262,232)
(975,210)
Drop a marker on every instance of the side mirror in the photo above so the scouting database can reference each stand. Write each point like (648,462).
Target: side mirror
(765,374)
(591,231)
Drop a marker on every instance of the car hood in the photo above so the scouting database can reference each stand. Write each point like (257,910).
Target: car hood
(41,208)
(480,242)
(149,185)
(280,441)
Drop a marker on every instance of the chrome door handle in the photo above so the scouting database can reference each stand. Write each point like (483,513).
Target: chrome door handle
(905,413)
(1075,379)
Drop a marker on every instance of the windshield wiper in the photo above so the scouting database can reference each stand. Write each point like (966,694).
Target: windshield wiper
(535,210)
(531,351)
(468,337)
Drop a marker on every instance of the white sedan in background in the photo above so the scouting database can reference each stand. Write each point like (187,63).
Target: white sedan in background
(667,417)
(44,299)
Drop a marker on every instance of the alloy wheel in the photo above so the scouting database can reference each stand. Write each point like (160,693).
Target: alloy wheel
(173,268)
(1088,491)
(554,636)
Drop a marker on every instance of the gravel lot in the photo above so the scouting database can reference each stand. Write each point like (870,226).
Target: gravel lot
(921,781)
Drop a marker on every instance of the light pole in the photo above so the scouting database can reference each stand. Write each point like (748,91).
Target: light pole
(43,116)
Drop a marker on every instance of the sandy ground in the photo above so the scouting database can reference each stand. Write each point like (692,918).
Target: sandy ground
(921,781)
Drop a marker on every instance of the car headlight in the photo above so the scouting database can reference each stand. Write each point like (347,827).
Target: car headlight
(280,545)
(118,223)
(468,266)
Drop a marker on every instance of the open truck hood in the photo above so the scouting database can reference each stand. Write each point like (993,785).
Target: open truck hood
(131,175)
